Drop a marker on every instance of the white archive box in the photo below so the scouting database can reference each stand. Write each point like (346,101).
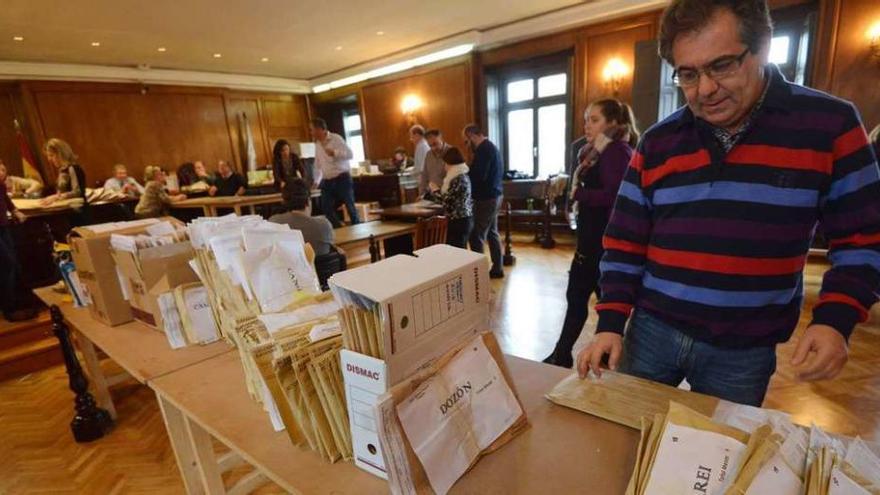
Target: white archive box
(429,303)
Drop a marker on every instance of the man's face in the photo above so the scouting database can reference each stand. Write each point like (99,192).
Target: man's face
(318,134)
(224,168)
(121,174)
(436,144)
(199,167)
(727,101)
(414,138)
(3,173)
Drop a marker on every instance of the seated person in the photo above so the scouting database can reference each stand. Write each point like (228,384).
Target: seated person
(455,195)
(317,231)
(20,187)
(121,182)
(285,164)
(227,182)
(193,177)
(400,161)
(155,200)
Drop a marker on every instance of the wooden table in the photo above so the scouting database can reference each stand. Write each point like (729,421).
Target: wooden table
(409,212)
(143,352)
(33,208)
(210,205)
(564,451)
(373,233)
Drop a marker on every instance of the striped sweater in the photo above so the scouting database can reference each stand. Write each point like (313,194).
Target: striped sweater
(716,243)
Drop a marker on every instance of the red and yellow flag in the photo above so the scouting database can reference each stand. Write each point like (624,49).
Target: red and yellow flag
(28,164)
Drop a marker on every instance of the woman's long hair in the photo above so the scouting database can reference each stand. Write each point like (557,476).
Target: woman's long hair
(620,113)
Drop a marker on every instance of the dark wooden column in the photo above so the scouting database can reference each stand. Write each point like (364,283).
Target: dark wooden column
(89,422)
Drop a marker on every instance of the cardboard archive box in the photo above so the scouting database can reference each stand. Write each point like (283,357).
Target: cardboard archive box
(429,303)
(150,272)
(90,246)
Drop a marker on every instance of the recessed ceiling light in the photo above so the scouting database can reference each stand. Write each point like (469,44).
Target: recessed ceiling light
(161,49)
(338,48)
(218,55)
(264,59)
(18,38)
(96,43)
(380,33)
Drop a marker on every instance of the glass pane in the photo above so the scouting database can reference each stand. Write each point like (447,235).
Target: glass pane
(520,140)
(356,143)
(552,85)
(551,140)
(352,123)
(779,50)
(520,90)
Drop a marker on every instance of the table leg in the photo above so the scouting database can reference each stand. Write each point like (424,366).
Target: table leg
(202,447)
(237,210)
(175,424)
(206,210)
(93,369)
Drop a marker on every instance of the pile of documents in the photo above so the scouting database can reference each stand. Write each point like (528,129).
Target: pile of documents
(436,425)
(398,317)
(748,452)
(263,291)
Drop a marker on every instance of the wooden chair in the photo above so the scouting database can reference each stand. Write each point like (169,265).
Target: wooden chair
(431,231)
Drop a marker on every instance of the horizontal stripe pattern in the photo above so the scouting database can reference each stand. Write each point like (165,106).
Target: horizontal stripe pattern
(720,247)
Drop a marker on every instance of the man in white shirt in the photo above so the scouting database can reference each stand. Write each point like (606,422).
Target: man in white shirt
(333,172)
(121,182)
(417,137)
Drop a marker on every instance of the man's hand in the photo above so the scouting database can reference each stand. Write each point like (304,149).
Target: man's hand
(590,358)
(48,200)
(433,187)
(820,354)
(212,191)
(330,152)
(21,217)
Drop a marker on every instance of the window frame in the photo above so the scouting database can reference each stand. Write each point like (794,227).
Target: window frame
(350,134)
(534,70)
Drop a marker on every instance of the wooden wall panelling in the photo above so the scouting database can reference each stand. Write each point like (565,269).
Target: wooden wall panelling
(853,73)
(601,44)
(286,117)
(108,124)
(9,151)
(531,48)
(447,96)
(235,107)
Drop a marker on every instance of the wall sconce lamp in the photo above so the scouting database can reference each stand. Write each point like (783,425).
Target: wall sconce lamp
(614,73)
(410,105)
(874,36)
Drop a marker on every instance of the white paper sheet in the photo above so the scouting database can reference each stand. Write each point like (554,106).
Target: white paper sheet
(688,458)
(277,321)
(325,331)
(841,484)
(776,478)
(457,413)
(171,320)
(201,317)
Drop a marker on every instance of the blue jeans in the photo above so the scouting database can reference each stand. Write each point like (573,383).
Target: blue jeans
(655,350)
(335,190)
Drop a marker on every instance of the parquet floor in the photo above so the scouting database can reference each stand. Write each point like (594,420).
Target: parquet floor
(38,455)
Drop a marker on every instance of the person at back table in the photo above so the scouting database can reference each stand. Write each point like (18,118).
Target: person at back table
(71,181)
(486,173)
(455,195)
(285,164)
(227,182)
(333,172)
(417,137)
(708,239)
(121,182)
(435,168)
(155,200)
(317,231)
(20,187)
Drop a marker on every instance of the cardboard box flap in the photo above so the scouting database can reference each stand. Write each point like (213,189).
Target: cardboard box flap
(134,226)
(406,272)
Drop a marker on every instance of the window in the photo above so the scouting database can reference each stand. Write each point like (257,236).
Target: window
(351,122)
(791,44)
(531,108)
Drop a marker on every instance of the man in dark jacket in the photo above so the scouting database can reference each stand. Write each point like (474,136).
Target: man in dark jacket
(486,173)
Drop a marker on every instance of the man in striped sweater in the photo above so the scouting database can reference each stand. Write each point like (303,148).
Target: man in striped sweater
(710,232)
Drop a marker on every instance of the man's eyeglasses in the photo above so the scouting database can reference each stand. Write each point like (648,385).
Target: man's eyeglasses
(716,70)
